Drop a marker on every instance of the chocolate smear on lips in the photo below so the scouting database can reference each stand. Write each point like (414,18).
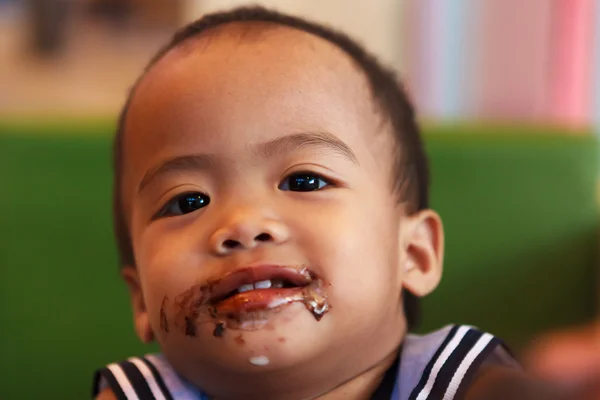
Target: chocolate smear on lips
(248,294)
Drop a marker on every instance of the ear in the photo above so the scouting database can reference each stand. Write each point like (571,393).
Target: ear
(140,314)
(422,237)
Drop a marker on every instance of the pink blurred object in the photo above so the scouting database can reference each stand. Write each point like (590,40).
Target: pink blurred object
(512,60)
(571,61)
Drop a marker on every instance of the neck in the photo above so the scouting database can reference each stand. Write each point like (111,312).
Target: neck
(338,374)
(363,386)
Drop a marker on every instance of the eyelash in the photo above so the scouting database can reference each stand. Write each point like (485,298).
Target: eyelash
(308,174)
(201,200)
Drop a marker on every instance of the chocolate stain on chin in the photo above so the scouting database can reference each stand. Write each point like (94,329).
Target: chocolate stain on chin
(190,327)
(189,308)
(239,339)
(164,322)
(193,307)
(219,329)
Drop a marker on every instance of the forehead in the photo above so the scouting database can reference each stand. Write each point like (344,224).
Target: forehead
(246,83)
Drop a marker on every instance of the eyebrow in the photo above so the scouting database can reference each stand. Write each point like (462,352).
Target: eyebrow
(285,144)
(322,140)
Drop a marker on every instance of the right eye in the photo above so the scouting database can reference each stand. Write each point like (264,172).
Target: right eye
(184,204)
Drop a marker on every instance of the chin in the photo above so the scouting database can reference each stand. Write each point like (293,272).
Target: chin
(279,340)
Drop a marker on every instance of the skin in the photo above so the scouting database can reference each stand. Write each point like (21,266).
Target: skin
(570,358)
(227,94)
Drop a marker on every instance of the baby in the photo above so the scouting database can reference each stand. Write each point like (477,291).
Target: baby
(271,210)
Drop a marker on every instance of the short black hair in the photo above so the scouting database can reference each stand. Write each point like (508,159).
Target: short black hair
(411,175)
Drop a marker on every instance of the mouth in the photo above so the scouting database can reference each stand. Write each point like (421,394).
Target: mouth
(258,289)
(247,297)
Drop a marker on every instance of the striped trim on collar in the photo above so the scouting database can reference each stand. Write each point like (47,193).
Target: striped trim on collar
(454,364)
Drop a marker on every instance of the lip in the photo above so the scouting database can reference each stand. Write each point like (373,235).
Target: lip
(259,300)
(221,289)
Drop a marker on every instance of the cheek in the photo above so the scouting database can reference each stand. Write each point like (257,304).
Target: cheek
(355,245)
(170,248)
(170,262)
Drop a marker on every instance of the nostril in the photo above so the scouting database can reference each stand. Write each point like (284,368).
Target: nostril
(231,244)
(264,237)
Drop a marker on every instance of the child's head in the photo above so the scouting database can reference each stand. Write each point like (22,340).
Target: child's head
(261,147)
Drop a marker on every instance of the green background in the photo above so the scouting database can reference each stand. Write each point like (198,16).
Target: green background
(519,208)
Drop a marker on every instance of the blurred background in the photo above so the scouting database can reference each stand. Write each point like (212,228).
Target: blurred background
(508,92)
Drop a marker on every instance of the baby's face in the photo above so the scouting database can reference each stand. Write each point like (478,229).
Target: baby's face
(258,191)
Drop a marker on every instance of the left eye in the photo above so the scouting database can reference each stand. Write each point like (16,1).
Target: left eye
(304,182)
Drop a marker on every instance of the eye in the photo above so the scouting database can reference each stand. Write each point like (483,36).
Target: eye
(184,204)
(304,182)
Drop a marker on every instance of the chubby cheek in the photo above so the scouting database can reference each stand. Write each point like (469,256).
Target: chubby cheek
(169,264)
(357,252)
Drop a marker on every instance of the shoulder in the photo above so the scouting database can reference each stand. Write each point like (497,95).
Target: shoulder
(147,377)
(499,383)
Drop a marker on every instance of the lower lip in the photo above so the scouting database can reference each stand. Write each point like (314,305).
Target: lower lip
(258,300)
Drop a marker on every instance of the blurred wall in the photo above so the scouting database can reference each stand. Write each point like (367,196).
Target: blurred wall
(504,60)
(535,61)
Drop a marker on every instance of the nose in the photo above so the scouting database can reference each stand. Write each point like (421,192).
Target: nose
(246,231)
